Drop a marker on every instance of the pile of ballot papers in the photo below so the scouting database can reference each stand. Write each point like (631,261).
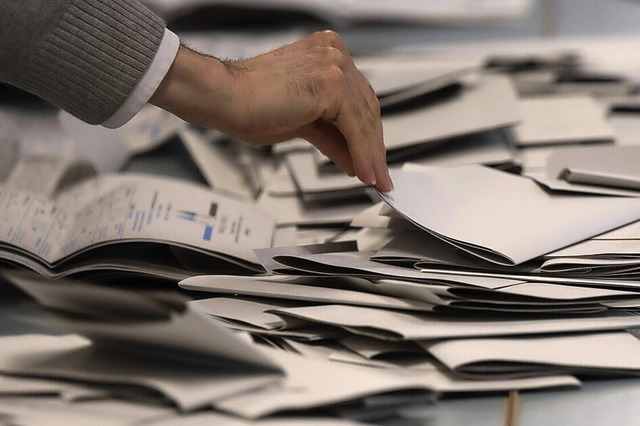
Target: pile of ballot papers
(507,258)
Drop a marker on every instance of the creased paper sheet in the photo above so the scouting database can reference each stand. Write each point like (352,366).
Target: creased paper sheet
(313,383)
(490,213)
(72,357)
(488,105)
(612,352)
(391,325)
(53,411)
(310,290)
(562,119)
(604,166)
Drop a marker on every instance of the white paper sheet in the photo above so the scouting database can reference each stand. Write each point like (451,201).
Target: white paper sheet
(314,291)
(72,357)
(483,211)
(118,208)
(391,325)
(562,119)
(608,166)
(603,353)
(490,104)
(314,383)
(52,411)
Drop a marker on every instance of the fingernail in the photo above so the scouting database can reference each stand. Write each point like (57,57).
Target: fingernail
(391,187)
(372,177)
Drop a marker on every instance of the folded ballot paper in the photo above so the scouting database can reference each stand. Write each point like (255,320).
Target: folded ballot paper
(490,103)
(601,166)
(151,341)
(501,217)
(141,344)
(595,169)
(611,353)
(558,119)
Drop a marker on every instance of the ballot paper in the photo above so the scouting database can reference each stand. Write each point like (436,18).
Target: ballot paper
(609,166)
(9,149)
(394,325)
(151,334)
(150,128)
(523,297)
(106,148)
(607,353)
(310,289)
(484,211)
(489,104)
(53,411)
(61,172)
(593,169)
(25,386)
(492,148)
(398,79)
(359,264)
(558,119)
(559,184)
(229,167)
(189,386)
(294,210)
(166,227)
(423,364)
(217,418)
(419,249)
(431,133)
(450,290)
(313,383)
(314,185)
(252,316)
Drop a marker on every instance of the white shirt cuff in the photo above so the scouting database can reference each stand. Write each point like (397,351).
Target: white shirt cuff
(149,82)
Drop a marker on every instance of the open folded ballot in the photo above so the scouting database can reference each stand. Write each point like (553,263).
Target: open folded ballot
(131,223)
(501,217)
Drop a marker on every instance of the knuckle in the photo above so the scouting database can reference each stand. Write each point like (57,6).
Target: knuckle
(334,75)
(330,38)
(334,56)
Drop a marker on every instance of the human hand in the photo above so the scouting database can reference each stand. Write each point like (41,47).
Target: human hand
(309,89)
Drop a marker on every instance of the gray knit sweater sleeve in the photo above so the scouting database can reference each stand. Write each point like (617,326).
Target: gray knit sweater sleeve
(84,56)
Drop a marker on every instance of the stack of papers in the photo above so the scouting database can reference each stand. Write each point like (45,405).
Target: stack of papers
(453,291)
(505,259)
(155,348)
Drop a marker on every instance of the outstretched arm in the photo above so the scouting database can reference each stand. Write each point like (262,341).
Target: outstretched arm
(101,60)
(309,89)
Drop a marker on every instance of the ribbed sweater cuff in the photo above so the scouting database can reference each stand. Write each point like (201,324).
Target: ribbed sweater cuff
(94,58)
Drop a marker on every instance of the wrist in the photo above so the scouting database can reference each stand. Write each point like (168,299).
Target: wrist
(195,86)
